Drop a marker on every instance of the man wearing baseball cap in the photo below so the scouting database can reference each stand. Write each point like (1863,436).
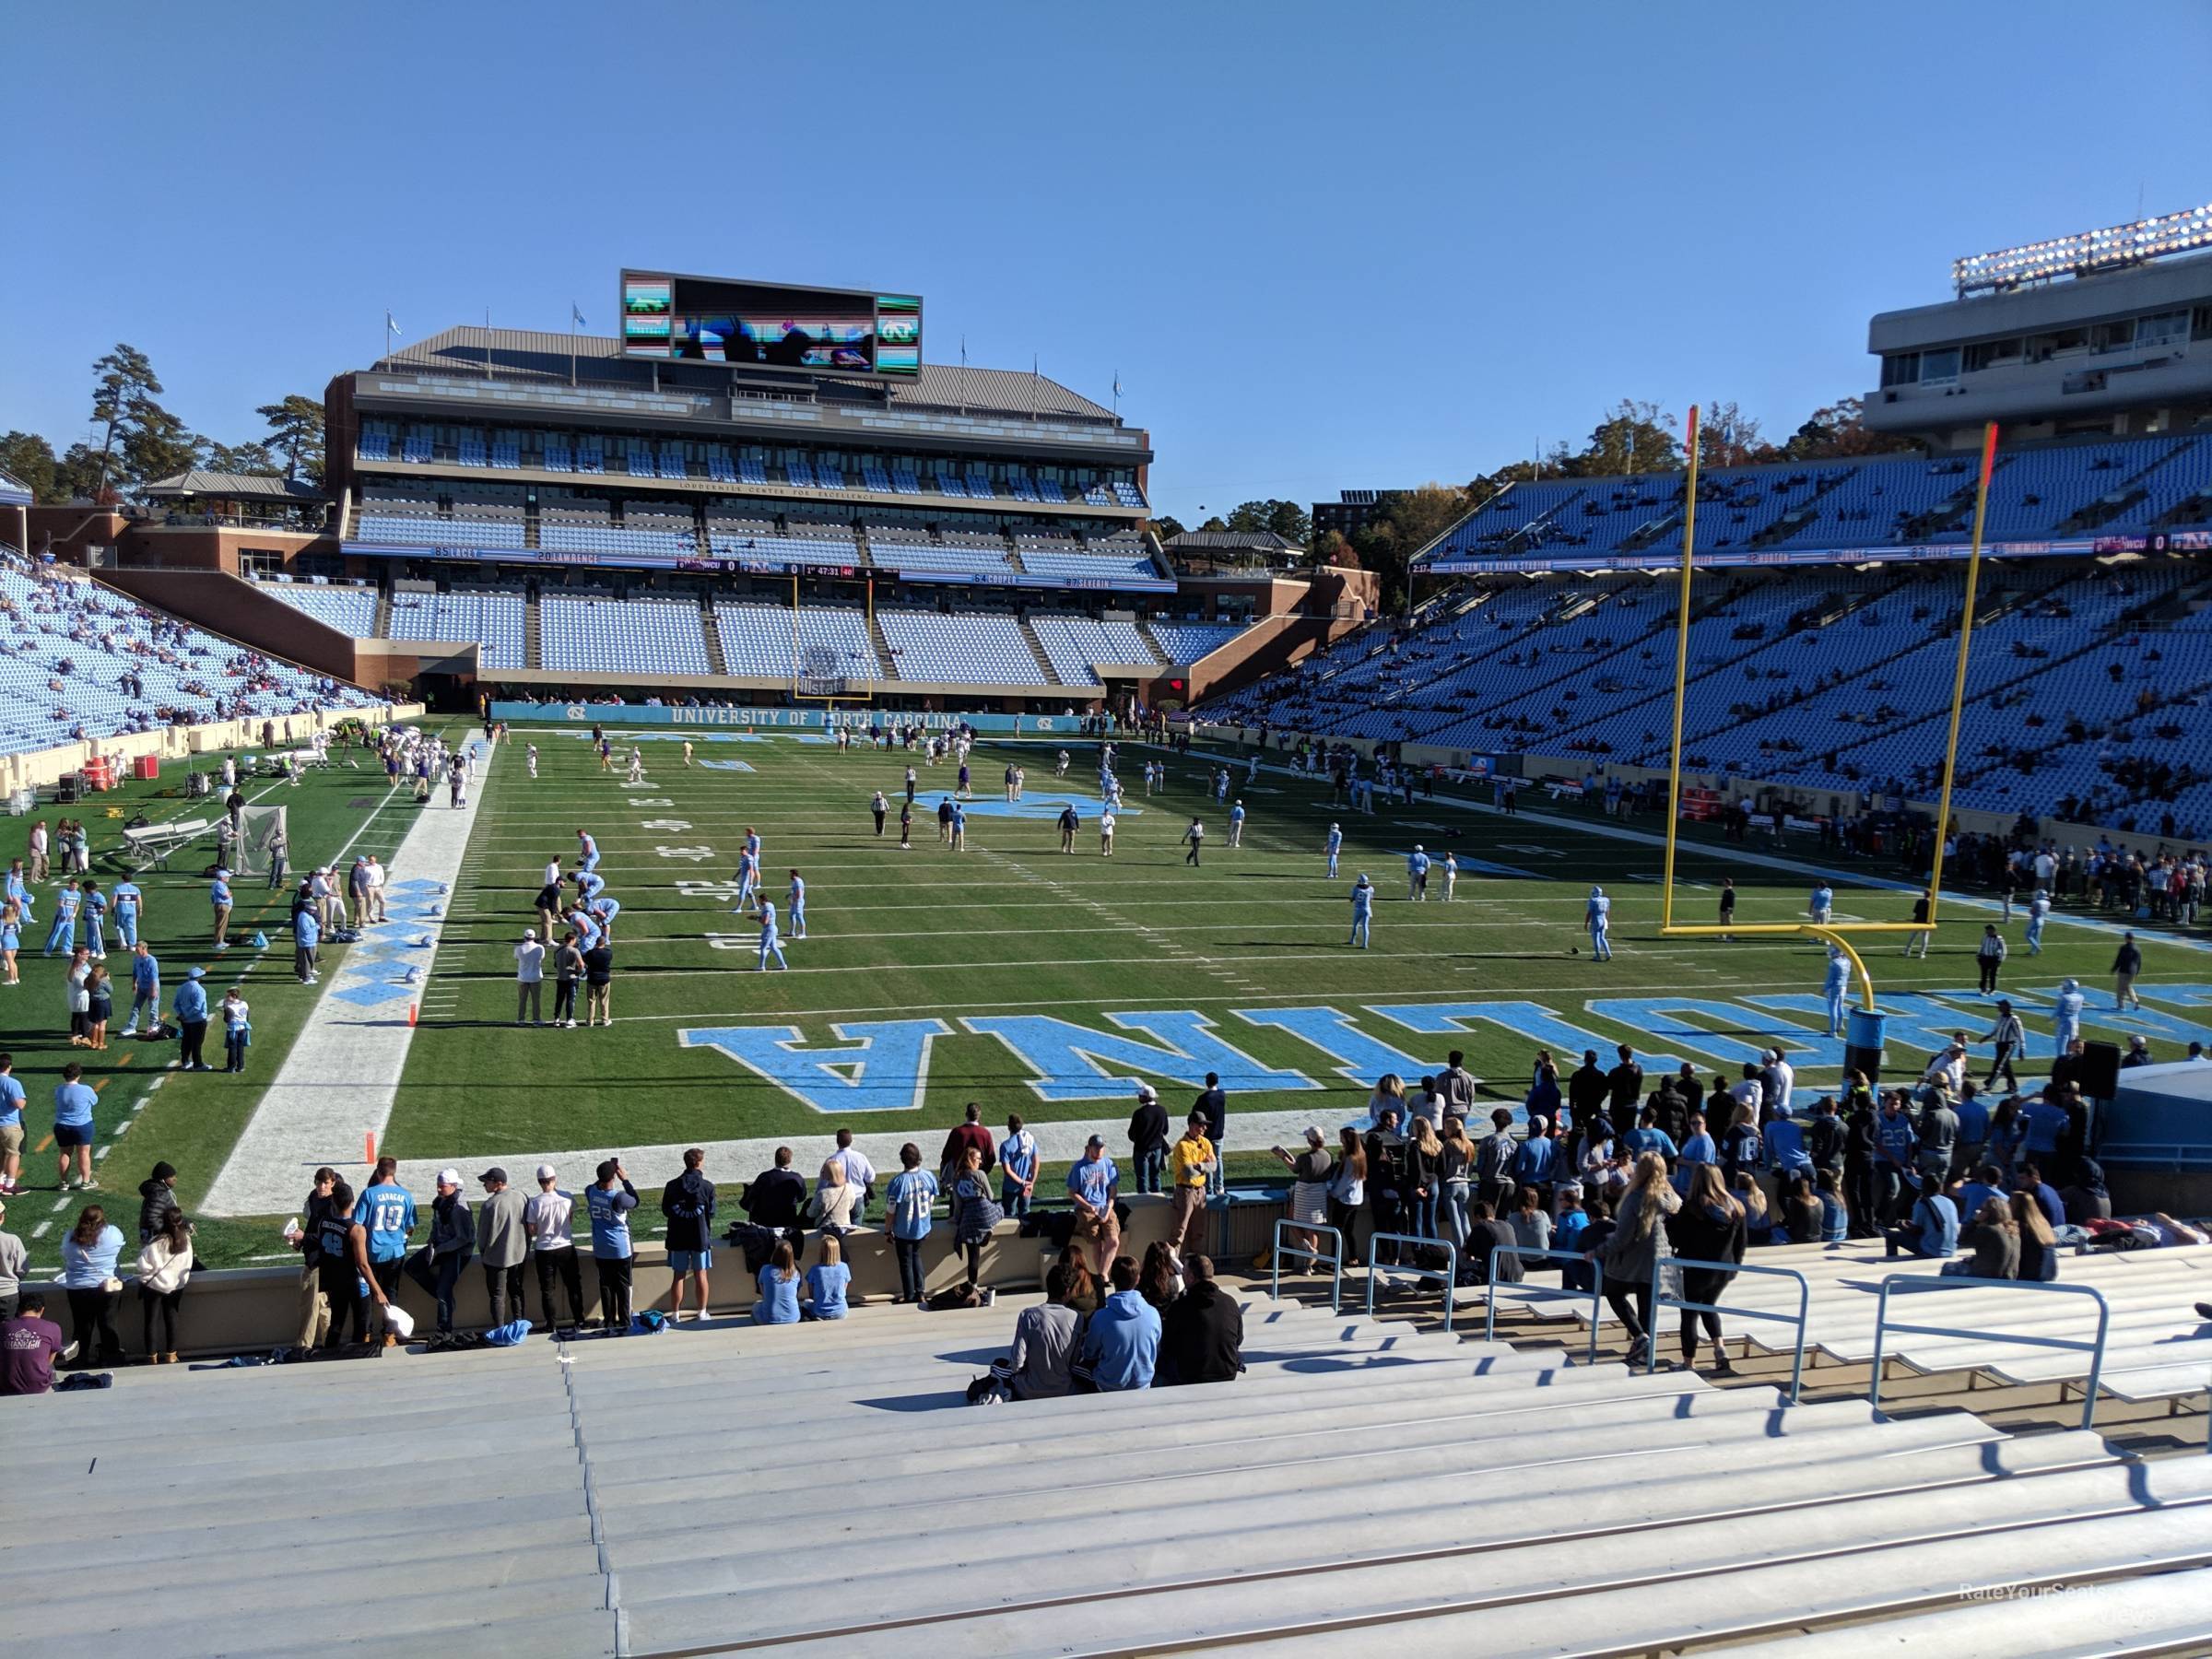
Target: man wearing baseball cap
(529,977)
(503,1242)
(1094,1184)
(437,1265)
(1148,1137)
(609,1201)
(550,1215)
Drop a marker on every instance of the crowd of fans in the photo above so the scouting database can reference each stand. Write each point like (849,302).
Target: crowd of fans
(1611,1172)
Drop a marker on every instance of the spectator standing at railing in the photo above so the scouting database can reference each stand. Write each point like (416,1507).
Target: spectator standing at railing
(1638,1242)
(1148,1138)
(1709,1227)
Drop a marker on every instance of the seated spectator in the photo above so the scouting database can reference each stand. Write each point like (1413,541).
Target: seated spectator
(29,1344)
(2088,1200)
(1042,1363)
(1803,1218)
(1120,1341)
(1933,1231)
(1160,1278)
(1532,1227)
(827,1282)
(1085,1293)
(2038,1244)
(779,1282)
(1202,1334)
(1835,1209)
(2046,1196)
(1993,1243)
(1758,1221)
(1985,1182)
(1486,1232)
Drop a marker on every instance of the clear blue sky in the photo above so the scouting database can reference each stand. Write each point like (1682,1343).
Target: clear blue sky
(1322,244)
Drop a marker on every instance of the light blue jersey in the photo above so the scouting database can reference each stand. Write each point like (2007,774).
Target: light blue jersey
(387,1212)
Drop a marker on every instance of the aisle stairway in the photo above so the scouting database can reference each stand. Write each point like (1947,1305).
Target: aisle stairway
(1045,674)
(712,629)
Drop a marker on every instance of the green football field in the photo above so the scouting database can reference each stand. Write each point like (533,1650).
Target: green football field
(1010,973)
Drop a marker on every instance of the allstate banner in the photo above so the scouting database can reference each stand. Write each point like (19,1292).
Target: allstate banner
(774,719)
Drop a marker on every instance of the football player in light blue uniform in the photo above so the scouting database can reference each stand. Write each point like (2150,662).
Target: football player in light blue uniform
(1417,874)
(769,943)
(2039,911)
(796,906)
(1836,987)
(92,917)
(1334,845)
(63,926)
(748,880)
(1822,903)
(2067,1014)
(1236,824)
(129,903)
(1597,917)
(1363,910)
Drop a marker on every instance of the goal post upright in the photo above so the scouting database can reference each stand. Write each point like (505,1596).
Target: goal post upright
(1674,759)
(1836,934)
(1966,634)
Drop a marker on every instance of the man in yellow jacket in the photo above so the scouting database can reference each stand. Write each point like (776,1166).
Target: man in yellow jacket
(1190,1161)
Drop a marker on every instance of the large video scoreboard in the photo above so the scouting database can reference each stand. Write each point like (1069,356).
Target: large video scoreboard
(772,326)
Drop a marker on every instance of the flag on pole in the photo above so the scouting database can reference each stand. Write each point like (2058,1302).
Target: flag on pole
(390,326)
(576,317)
(1117,385)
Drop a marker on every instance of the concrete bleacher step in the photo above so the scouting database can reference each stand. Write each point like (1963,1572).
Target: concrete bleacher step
(1650,1587)
(549,1475)
(1758,1599)
(943,1369)
(163,1463)
(154,1550)
(587,1633)
(1114,1425)
(2161,1613)
(1291,1509)
(499,1580)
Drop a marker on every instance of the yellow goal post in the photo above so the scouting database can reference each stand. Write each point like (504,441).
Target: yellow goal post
(1837,933)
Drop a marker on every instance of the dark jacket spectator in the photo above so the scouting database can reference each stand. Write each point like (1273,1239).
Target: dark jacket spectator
(689,1202)
(776,1196)
(1202,1334)
(1148,1128)
(966,1134)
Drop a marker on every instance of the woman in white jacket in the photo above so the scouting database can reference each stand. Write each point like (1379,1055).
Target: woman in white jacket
(164,1265)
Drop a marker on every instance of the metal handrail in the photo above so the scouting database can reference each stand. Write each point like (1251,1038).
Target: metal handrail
(1661,1299)
(1525,1253)
(1914,1282)
(1334,1259)
(1448,1274)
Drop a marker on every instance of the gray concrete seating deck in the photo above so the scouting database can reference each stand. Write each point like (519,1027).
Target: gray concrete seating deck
(819,1488)
(2156,1348)
(2125,1616)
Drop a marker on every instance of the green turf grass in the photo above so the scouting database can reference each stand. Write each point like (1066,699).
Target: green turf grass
(1010,926)
(1013,926)
(190,1120)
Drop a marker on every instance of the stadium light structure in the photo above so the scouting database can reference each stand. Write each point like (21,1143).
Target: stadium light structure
(2085,253)
(1834,933)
